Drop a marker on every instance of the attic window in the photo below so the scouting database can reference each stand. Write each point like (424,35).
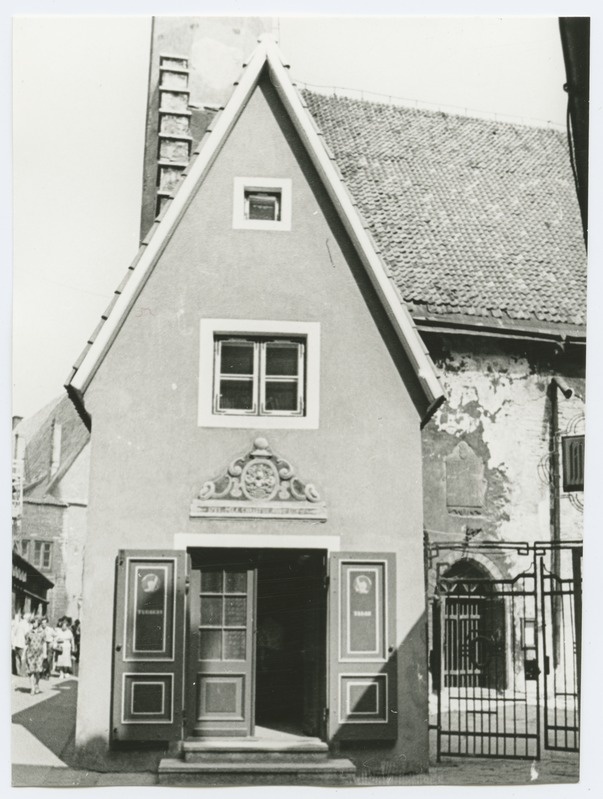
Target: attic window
(262,204)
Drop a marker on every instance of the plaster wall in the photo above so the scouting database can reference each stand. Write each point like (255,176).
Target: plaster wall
(149,457)
(498,402)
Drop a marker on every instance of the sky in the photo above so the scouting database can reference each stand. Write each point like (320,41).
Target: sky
(79,99)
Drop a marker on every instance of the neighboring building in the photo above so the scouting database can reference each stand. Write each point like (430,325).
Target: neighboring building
(51,462)
(479,225)
(474,227)
(29,588)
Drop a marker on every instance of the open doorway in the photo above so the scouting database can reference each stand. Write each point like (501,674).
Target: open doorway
(280,660)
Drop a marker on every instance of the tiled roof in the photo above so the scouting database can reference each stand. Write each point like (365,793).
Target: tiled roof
(473,217)
(38,482)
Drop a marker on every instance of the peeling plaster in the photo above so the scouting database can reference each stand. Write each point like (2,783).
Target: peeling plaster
(497,403)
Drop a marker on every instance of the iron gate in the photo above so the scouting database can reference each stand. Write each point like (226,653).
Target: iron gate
(505,652)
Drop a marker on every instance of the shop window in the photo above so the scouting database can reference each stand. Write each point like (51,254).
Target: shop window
(262,203)
(259,374)
(573,463)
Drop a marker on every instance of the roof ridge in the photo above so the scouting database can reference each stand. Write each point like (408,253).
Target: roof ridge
(420,110)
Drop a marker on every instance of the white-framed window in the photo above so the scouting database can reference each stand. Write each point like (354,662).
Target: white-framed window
(259,374)
(262,204)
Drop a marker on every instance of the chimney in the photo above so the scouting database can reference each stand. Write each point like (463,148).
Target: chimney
(55,455)
(175,138)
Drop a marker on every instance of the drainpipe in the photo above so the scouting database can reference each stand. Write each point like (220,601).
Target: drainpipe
(557,385)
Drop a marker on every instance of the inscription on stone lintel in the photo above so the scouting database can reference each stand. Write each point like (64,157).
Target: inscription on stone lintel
(247,510)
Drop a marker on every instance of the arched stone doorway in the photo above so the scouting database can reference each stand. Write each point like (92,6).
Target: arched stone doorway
(473,616)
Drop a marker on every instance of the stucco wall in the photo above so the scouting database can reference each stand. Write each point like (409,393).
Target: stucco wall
(149,457)
(498,403)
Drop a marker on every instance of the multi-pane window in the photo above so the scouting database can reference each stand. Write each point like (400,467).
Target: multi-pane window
(573,463)
(42,554)
(259,376)
(224,615)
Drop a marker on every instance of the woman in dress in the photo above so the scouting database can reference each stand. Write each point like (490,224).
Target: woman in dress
(34,654)
(63,645)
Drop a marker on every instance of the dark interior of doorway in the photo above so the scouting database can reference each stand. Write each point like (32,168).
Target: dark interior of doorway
(290,636)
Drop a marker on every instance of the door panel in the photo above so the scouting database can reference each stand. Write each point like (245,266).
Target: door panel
(148,645)
(221,635)
(363,662)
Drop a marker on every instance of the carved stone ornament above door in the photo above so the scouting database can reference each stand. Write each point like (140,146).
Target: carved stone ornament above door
(259,485)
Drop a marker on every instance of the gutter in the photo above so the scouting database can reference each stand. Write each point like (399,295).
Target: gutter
(515,334)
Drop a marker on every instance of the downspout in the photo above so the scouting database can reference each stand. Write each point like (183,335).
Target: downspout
(557,385)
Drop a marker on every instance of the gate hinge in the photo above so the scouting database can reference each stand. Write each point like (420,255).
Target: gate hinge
(325,714)
(325,582)
(187,584)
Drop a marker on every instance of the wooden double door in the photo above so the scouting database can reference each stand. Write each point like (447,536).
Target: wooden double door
(225,642)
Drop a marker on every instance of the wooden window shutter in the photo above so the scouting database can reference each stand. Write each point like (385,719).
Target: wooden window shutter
(573,463)
(148,647)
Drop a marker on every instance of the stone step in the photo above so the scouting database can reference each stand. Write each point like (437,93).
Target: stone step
(174,771)
(199,750)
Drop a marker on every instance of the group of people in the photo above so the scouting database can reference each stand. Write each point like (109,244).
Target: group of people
(39,650)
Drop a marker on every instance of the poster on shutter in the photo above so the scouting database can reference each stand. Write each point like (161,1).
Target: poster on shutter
(150,610)
(363,608)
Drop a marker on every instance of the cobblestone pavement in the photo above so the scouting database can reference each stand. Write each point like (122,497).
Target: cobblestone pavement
(42,746)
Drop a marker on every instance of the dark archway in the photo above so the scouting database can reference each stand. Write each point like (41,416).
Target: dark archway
(473,618)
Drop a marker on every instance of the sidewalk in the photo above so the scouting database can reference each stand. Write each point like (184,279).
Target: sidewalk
(43,747)
(43,738)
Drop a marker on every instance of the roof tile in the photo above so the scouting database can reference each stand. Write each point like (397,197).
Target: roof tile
(471,216)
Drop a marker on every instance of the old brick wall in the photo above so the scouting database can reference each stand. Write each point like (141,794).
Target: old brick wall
(44,522)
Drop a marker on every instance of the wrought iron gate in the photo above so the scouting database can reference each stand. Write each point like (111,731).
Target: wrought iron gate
(505,651)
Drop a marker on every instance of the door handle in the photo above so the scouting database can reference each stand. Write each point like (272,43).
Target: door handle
(118,648)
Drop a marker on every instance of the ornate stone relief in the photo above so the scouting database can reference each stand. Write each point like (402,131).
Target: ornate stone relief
(257,485)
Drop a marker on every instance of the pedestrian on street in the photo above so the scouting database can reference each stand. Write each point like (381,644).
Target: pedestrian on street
(63,647)
(49,635)
(34,654)
(19,629)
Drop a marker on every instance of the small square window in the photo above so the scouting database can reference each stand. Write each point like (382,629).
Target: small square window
(262,203)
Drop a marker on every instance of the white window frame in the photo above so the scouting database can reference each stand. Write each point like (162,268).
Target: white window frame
(239,328)
(242,185)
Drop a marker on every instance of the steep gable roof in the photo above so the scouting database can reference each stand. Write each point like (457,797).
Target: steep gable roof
(37,431)
(473,217)
(266,56)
